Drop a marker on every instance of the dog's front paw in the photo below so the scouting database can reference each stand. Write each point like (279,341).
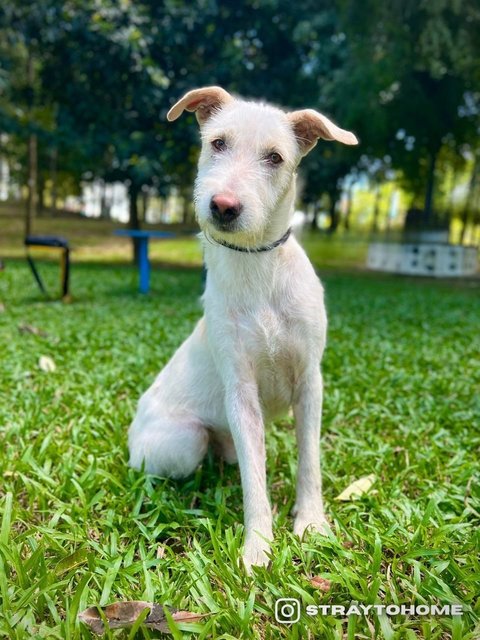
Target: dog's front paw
(255,552)
(310,522)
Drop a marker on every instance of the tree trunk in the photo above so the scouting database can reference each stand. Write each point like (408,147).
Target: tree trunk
(3,167)
(134,220)
(144,205)
(314,218)
(184,210)
(468,202)
(430,188)
(105,204)
(54,179)
(348,212)
(32,157)
(449,201)
(41,195)
(333,212)
(31,183)
(188,211)
(389,212)
(376,208)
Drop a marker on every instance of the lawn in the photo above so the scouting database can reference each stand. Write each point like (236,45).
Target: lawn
(80,528)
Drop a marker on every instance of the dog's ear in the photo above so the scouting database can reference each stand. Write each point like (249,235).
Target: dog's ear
(309,125)
(203,101)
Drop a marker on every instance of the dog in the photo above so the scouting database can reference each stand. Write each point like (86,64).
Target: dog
(256,352)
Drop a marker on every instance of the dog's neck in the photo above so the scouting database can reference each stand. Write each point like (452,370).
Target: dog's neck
(240,275)
(244,278)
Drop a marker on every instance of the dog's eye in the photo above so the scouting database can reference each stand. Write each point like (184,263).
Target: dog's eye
(219,144)
(274,158)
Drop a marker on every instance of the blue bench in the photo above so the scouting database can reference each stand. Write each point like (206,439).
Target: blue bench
(143,262)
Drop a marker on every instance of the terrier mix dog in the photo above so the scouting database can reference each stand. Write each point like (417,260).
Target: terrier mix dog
(257,350)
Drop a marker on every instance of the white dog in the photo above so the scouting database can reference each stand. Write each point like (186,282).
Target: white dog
(257,350)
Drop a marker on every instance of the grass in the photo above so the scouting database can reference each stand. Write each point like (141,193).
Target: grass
(78,527)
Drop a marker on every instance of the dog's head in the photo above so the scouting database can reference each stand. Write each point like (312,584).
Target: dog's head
(245,185)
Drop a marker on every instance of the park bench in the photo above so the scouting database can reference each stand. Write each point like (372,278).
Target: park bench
(51,242)
(143,263)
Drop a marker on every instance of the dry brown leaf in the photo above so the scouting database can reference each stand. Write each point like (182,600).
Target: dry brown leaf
(119,614)
(188,616)
(321,583)
(30,328)
(357,488)
(46,364)
(2,307)
(124,614)
(160,551)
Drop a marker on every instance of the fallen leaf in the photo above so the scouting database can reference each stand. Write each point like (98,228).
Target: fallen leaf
(2,307)
(188,616)
(160,551)
(357,488)
(119,614)
(321,583)
(30,328)
(94,535)
(125,614)
(348,544)
(46,364)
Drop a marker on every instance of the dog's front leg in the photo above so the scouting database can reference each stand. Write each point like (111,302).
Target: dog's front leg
(247,428)
(307,408)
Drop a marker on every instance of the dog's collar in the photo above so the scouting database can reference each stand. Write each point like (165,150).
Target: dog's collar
(267,247)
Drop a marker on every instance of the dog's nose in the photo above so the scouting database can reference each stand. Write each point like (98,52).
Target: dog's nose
(225,208)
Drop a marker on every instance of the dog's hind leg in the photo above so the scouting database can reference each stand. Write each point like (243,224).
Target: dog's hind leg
(167,446)
(223,446)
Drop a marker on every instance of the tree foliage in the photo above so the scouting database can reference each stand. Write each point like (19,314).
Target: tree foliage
(92,80)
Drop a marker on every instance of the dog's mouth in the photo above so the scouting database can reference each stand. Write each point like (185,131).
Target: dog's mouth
(230,232)
(226,226)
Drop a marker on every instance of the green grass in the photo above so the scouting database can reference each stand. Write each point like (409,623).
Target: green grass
(79,527)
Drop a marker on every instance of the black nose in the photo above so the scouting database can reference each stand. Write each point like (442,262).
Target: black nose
(224,208)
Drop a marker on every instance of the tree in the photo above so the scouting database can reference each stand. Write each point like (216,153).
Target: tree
(419,62)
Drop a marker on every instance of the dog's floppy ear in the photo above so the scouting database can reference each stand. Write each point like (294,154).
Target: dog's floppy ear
(309,125)
(203,101)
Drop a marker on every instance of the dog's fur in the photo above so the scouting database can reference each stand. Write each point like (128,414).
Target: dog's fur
(257,350)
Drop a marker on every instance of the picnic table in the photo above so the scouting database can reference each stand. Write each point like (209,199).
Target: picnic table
(143,238)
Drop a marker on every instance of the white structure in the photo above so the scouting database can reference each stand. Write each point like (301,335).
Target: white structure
(423,259)
(115,195)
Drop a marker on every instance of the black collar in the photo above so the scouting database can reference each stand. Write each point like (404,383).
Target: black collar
(267,247)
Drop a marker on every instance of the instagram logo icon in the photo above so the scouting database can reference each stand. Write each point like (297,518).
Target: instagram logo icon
(287,610)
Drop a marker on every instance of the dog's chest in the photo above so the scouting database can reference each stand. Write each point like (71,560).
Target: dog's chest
(267,341)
